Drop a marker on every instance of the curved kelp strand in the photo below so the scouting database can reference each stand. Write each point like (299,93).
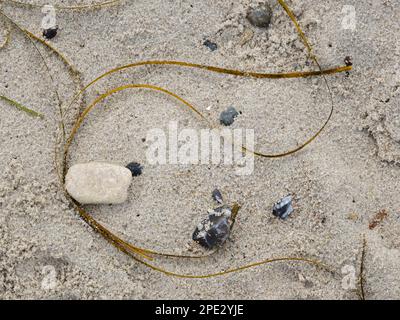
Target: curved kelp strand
(239,73)
(226,272)
(136,252)
(230,72)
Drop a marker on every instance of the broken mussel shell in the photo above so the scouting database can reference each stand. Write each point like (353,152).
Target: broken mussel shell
(283,208)
(50,33)
(214,231)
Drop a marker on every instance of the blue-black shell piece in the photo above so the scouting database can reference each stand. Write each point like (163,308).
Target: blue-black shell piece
(283,208)
(210,45)
(217,196)
(228,116)
(136,168)
(50,33)
(214,230)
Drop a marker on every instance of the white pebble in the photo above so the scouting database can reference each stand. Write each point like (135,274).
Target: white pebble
(98,183)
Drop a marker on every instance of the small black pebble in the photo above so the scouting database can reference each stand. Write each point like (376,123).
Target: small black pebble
(214,230)
(260,16)
(228,116)
(283,208)
(135,168)
(50,33)
(210,45)
(217,196)
(348,61)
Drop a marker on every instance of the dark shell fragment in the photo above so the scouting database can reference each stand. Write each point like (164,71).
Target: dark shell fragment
(210,45)
(283,208)
(217,196)
(136,168)
(214,230)
(50,33)
(348,61)
(228,116)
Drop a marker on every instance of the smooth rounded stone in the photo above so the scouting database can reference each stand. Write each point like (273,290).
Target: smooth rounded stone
(228,116)
(214,231)
(98,183)
(260,16)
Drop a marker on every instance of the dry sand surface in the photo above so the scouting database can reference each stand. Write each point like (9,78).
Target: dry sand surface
(339,182)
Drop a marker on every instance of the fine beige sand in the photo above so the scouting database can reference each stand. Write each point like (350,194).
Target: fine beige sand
(340,182)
